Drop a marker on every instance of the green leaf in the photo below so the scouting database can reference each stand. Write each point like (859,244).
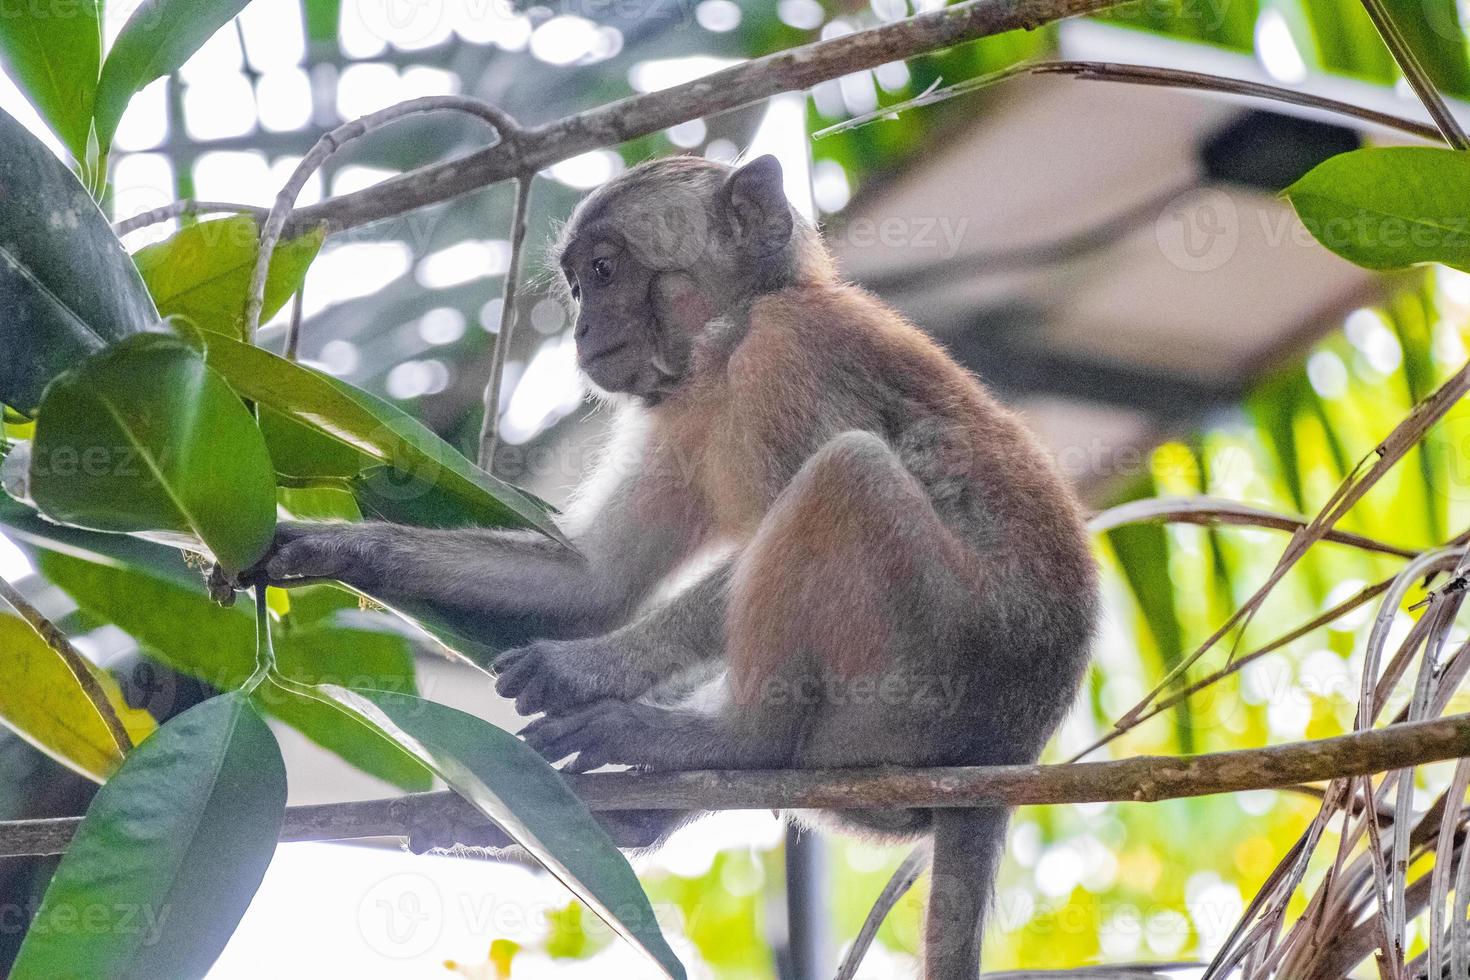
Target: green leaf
(156,40)
(171,851)
(1390,207)
(67,288)
(377,430)
(303,454)
(528,799)
(42,702)
(1344,40)
(184,630)
(146,437)
(203,272)
(52,51)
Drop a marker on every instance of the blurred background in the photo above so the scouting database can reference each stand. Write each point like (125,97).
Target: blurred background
(1115,261)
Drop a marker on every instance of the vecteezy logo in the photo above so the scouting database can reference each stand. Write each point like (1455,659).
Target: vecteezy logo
(1198,231)
(401,916)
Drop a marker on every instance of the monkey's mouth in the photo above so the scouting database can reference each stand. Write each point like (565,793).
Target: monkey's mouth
(588,358)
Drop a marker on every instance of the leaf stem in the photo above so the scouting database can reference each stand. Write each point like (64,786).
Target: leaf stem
(80,666)
(488,428)
(265,653)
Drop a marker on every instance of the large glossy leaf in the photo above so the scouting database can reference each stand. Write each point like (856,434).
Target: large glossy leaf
(171,851)
(67,288)
(157,39)
(203,272)
(375,429)
(147,437)
(184,630)
(528,799)
(42,701)
(1390,207)
(52,51)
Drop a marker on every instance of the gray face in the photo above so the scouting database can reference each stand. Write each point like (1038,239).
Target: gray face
(617,333)
(653,256)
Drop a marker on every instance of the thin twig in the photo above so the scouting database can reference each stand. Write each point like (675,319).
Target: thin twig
(1221,512)
(1385,456)
(505,127)
(180,208)
(1416,76)
(1237,664)
(489,427)
(79,666)
(1105,71)
(293,331)
(903,879)
(1141,779)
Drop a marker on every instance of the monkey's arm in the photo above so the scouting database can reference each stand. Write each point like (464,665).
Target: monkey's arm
(513,585)
(677,636)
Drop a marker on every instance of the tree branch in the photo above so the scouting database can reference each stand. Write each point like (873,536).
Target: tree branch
(1142,779)
(785,71)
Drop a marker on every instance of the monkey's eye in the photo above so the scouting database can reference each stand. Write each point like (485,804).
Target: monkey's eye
(603,269)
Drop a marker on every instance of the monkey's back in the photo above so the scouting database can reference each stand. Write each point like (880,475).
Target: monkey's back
(818,361)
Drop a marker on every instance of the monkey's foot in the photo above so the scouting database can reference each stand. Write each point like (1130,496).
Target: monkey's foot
(603,733)
(558,676)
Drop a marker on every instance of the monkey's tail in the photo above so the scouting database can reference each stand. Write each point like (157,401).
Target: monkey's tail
(968,845)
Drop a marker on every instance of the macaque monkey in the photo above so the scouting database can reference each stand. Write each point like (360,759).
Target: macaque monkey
(902,578)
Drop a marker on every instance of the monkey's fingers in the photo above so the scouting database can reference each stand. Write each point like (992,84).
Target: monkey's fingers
(529,675)
(556,737)
(523,676)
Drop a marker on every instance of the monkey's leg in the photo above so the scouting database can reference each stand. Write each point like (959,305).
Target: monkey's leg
(555,676)
(811,608)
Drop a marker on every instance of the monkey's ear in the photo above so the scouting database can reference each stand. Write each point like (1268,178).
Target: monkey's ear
(757,206)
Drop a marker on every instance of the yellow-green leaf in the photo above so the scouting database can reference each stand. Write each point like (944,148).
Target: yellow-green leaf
(203,272)
(42,701)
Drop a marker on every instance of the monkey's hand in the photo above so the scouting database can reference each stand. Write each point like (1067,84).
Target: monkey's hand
(604,733)
(556,676)
(302,553)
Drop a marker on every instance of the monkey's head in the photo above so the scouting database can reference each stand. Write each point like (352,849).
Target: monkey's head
(654,258)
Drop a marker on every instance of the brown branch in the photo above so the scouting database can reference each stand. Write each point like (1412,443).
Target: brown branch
(1142,779)
(792,70)
(79,666)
